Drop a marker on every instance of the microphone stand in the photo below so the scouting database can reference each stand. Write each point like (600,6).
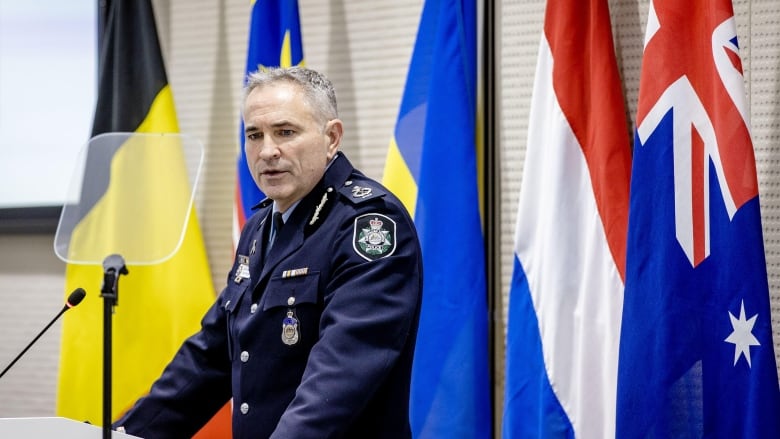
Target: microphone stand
(113,267)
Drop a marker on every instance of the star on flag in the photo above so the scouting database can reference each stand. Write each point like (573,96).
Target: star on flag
(742,336)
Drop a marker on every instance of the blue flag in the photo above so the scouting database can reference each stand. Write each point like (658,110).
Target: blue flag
(696,350)
(432,167)
(274,41)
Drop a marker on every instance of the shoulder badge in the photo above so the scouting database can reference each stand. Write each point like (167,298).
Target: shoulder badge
(374,236)
(358,193)
(361,192)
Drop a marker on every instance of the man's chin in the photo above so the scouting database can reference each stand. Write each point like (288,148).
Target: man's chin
(275,192)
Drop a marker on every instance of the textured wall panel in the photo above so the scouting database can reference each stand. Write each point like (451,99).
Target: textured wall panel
(759,30)
(364,47)
(32,293)
(519,26)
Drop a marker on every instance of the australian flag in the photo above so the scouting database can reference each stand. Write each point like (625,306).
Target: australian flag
(696,351)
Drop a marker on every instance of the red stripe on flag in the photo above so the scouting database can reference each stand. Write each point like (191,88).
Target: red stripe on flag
(699,211)
(607,148)
(239,206)
(219,427)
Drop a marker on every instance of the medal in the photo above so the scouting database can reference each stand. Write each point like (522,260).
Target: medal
(242,272)
(294,273)
(290,329)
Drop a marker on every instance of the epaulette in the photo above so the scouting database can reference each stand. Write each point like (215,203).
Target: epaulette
(361,191)
(264,203)
(350,190)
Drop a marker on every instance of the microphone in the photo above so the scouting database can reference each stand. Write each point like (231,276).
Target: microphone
(73,299)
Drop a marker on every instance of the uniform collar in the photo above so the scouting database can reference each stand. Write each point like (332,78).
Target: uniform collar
(336,173)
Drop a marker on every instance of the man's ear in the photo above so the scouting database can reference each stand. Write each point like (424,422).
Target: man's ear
(334,130)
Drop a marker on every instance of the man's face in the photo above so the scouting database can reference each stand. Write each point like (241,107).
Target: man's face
(287,149)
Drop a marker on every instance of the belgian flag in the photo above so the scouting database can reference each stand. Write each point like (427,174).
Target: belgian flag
(161,304)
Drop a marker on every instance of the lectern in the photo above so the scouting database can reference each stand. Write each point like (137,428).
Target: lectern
(60,428)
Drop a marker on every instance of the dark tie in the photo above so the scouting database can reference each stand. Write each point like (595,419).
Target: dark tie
(277,223)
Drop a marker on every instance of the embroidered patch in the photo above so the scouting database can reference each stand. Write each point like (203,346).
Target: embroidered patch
(374,236)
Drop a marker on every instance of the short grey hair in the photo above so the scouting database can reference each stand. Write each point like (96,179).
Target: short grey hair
(317,88)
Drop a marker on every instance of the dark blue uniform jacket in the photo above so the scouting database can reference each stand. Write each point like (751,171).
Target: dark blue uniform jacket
(314,339)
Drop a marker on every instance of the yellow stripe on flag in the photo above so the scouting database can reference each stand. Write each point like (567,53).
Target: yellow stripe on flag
(398,179)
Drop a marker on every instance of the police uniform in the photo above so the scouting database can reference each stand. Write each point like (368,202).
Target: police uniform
(313,339)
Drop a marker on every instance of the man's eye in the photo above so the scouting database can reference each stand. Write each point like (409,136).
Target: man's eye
(253,136)
(286,133)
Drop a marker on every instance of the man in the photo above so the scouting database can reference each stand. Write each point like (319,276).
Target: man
(313,335)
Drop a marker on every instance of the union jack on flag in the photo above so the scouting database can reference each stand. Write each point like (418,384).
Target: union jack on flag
(696,351)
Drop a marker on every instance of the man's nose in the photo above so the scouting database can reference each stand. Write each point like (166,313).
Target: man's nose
(268,149)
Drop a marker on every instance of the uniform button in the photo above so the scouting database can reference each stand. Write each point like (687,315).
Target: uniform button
(244,356)
(227,304)
(348,183)
(290,301)
(244,408)
(253,308)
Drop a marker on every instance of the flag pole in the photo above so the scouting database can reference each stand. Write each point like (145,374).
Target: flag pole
(490,205)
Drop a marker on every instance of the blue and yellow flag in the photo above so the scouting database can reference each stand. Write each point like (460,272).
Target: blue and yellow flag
(432,167)
(274,41)
(161,304)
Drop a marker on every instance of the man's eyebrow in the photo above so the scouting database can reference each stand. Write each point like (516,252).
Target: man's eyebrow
(283,123)
(278,124)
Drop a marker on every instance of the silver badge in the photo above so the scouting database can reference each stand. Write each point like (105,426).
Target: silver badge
(290,329)
(324,200)
(242,272)
(361,192)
